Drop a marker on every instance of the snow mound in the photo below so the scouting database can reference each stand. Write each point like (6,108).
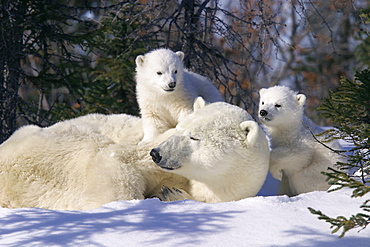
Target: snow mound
(258,221)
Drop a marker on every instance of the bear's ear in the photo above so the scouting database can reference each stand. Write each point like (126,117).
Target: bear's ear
(262,90)
(139,60)
(181,55)
(199,102)
(247,126)
(301,98)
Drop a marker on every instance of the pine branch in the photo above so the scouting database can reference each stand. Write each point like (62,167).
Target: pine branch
(350,108)
(359,220)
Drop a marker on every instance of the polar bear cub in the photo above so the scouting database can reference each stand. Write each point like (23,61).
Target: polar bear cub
(220,149)
(297,159)
(166,90)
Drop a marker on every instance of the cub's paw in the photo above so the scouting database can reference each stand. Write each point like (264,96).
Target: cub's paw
(143,143)
(172,194)
(276,173)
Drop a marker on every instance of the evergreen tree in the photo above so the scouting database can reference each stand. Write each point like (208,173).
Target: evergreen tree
(108,87)
(349,107)
(38,39)
(68,58)
(62,59)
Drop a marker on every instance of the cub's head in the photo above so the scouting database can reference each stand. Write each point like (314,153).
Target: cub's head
(280,105)
(160,69)
(213,140)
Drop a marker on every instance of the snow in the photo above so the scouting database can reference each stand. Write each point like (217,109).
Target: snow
(264,220)
(256,221)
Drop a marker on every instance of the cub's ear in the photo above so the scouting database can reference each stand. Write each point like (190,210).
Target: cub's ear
(262,90)
(199,102)
(139,60)
(301,98)
(181,55)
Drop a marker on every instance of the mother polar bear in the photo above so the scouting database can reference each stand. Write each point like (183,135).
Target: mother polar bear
(218,153)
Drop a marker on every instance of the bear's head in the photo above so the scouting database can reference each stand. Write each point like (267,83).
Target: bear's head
(216,142)
(279,105)
(160,69)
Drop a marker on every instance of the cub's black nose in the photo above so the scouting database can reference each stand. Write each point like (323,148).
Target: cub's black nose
(172,84)
(263,113)
(155,155)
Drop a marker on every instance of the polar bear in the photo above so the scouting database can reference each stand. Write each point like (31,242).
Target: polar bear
(296,159)
(224,159)
(78,164)
(86,162)
(166,91)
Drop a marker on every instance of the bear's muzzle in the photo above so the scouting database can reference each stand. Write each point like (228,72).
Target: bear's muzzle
(155,156)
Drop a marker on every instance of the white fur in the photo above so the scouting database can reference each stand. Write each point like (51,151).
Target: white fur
(297,160)
(86,162)
(161,106)
(221,150)
(80,164)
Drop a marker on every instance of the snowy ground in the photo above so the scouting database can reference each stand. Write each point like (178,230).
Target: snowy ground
(258,221)
(265,220)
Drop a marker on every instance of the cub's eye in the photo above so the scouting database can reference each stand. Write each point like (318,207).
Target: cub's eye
(193,138)
(263,103)
(175,71)
(159,73)
(277,106)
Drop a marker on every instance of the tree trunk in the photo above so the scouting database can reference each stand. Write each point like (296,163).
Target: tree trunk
(10,56)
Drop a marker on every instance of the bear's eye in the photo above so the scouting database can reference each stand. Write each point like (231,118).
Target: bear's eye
(277,106)
(263,103)
(159,73)
(175,71)
(193,138)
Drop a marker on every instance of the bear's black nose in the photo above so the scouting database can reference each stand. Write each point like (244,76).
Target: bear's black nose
(172,84)
(263,113)
(155,155)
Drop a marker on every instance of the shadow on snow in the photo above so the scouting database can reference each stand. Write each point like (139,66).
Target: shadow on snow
(48,227)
